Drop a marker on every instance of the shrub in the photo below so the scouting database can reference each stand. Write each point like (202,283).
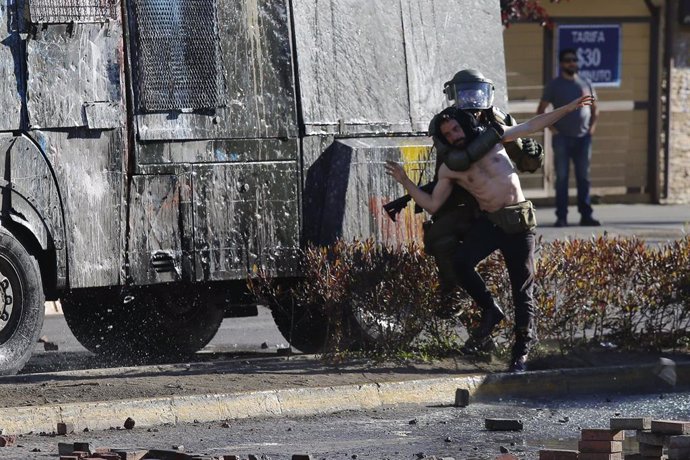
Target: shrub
(386,300)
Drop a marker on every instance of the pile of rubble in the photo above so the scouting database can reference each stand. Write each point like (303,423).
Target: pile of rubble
(656,439)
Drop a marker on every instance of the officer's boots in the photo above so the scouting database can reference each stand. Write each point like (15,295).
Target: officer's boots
(480,340)
(524,340)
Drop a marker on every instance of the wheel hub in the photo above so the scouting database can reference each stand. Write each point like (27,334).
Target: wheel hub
(7,299)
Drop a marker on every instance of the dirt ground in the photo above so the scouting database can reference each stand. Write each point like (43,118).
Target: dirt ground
(268,373)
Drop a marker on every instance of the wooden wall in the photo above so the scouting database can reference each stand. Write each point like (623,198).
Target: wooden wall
(620,146)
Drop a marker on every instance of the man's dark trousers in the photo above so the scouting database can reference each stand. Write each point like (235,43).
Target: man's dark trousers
(482,239)
(579,150)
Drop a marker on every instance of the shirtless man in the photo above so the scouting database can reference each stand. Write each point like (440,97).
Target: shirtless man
(506,222)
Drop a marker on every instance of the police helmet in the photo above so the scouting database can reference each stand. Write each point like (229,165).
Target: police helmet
(470,90)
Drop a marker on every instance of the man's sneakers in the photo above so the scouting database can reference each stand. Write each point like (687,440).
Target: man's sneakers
(480,341)
(475,346)
(584,222)
(518,365)
(589,222)
(490,318)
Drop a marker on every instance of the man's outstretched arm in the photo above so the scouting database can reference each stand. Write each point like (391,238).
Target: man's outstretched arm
(545,119)
(431,202)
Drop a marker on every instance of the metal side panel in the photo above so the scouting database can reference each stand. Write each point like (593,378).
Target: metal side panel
(11,86)
(355,187)
(442,38)
(245,215)
(88,166)
(30,176)
(256,65)
(351,63)
(215,151)
(155,243)
(70,67)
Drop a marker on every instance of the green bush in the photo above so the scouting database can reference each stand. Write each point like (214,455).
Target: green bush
(386,300)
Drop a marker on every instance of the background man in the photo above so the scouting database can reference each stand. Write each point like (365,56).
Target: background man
(572,137)
(481,166)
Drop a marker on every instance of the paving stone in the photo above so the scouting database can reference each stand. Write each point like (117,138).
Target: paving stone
(558,454)
(622,423)
(597,434)
(64,428)
(600,456)
(503,424)
(600,446)
(670,427)
(462,397)
(655,439)
(650,450)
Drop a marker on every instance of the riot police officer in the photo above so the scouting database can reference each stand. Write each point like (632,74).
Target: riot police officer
(471,92)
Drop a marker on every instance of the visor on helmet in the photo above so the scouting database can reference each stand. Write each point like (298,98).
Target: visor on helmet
(472,95)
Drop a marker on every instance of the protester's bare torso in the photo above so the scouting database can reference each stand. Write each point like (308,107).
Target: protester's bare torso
(492,180)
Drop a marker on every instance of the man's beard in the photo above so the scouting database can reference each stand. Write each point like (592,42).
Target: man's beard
(570,71)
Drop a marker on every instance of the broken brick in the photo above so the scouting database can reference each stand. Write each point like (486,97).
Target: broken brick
(462,397)
(503,424)
(8,440)
(64,428)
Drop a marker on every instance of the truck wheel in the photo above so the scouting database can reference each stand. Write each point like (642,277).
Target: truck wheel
(23,304)
(149,325)
(305,328)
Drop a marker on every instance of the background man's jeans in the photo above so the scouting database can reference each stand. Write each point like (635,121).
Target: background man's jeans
(579,150)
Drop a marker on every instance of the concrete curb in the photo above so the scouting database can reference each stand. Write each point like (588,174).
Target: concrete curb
(325,400)
(207,408)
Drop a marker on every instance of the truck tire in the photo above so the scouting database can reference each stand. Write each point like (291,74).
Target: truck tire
(150,325)
(23,304)
(305,328)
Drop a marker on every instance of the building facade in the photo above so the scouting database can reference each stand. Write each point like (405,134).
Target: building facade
(637,53)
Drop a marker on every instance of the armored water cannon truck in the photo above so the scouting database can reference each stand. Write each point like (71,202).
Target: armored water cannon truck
(153,152)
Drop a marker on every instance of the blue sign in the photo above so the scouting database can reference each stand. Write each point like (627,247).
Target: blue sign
(598,50)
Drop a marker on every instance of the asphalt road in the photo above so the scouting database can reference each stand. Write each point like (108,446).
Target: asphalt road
(393,433)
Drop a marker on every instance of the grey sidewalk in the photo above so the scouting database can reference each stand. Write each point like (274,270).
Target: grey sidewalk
(651,222)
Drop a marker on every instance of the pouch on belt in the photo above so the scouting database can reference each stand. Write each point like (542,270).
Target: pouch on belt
(516,218)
